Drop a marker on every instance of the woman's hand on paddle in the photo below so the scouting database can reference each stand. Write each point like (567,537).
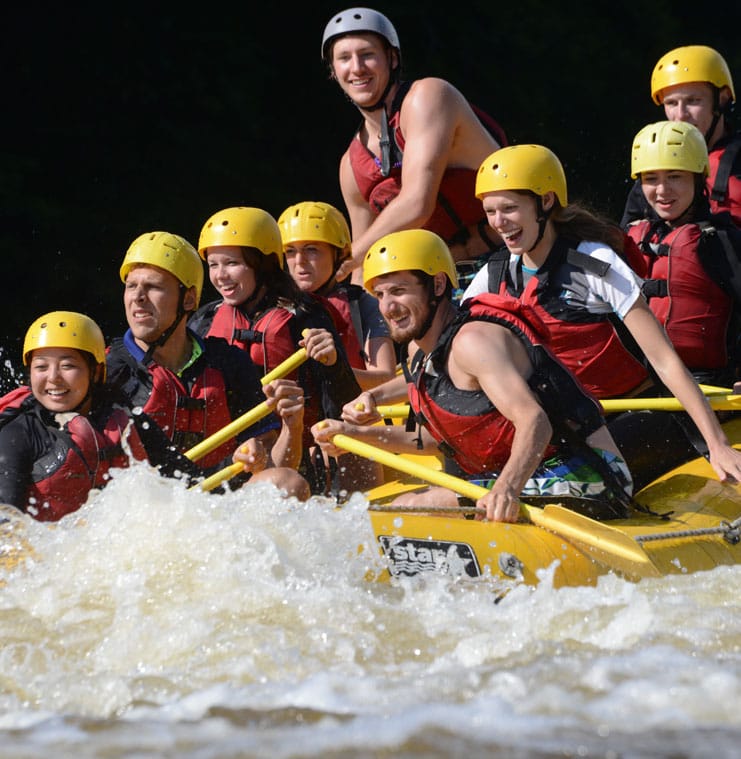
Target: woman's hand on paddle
(325,430)
(286,398)
(252,455)
(362,410)
(320,346)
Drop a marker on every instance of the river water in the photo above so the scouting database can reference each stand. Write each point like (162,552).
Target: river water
(162,622)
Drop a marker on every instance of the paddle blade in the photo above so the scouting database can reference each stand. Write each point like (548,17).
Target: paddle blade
(606,544)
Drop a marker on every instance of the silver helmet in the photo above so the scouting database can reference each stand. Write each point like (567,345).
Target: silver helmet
(358,20)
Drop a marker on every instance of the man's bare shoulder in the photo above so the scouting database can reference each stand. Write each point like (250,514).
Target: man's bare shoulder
(476,339)
(434,89)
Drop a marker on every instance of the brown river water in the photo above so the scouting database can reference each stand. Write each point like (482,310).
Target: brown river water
(162,622)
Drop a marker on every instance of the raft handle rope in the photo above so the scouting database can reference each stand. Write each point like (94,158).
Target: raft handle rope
(730,531)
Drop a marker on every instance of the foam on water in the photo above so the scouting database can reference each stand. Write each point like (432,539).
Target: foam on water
(158,619)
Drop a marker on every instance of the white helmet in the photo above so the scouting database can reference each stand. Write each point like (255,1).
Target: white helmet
(359,20)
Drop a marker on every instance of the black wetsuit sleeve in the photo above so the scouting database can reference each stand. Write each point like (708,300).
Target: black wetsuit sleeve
(336,384)
(161,453)
(17,455)
(170,462)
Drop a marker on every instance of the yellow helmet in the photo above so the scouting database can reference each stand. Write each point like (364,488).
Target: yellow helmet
(243,226)
(169,252)
(65,329)
(409,250)
(314,221)
(522,167)
(669,145)
(692,63)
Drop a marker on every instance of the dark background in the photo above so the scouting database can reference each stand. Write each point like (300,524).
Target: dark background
(122,120)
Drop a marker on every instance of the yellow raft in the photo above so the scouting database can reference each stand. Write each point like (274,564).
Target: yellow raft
(694,527)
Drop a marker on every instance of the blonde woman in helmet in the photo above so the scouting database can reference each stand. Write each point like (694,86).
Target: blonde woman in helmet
(562,260)
(413,160)
(62,433)
(487,392)
(693,84)
(316,240)
(262,311)
(194,387)
(689,253)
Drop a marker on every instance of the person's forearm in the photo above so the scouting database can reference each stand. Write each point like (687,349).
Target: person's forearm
(528,446)
(288,448)
(392,437)
(391,391)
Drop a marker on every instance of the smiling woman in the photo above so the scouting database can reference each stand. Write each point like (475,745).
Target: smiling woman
(60,437)
(689,256)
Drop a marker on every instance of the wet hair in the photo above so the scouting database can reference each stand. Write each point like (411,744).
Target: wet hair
(583,223)
(280,287)
(578,221)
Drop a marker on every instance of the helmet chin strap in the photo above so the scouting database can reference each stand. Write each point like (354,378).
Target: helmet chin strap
(716,115)
(433,302)
(93,380)
(381,103)
(165,336)
(542,219)
(331,281)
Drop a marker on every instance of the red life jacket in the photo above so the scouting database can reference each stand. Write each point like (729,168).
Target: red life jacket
(186,417)
(468,427)
(78,462)
(693,309)
(15,397)
(268,339)
(457,208)
(723,182)
(588,344)
(337,304)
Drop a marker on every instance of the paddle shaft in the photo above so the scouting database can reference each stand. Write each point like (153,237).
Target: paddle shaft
(250,417)
(717,402)
(221,476)
(422,472)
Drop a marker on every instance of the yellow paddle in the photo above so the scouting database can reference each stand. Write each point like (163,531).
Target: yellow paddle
(218,477)
(717,402)
(240,423)
(719,398)
(249,417)
(609,545)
